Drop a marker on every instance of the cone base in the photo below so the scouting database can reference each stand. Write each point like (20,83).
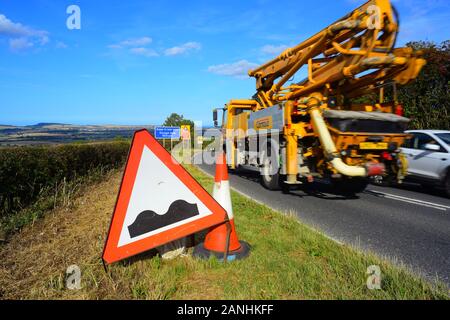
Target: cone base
(201,252)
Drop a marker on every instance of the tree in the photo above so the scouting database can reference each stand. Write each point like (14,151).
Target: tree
(427,99)
(176,120)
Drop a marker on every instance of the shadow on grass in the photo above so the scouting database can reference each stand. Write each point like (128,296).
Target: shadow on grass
(139,257)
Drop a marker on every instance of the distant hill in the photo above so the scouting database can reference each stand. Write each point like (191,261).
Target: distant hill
(45,124)
(57,133)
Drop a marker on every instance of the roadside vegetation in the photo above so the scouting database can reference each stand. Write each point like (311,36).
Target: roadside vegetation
(36,179)
(288,260)
(426,100)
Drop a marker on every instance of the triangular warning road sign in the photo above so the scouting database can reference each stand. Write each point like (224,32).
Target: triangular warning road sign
(158,202)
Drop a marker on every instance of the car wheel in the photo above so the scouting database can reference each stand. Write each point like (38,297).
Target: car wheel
(447,184)
(427,186)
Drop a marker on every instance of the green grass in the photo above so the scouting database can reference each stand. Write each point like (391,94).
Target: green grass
(288,261)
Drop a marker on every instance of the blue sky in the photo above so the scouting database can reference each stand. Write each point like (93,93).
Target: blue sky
(135,62)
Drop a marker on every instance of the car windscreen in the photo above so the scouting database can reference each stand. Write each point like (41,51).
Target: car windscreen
(444,137)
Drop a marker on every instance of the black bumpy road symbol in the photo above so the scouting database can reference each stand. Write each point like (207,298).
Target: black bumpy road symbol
(148,220)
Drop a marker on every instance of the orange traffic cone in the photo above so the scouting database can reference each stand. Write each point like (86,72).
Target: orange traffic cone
(222,240)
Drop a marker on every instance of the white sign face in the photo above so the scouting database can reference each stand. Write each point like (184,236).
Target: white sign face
(159,201)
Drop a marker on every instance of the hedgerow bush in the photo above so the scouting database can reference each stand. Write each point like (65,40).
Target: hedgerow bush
(26,171)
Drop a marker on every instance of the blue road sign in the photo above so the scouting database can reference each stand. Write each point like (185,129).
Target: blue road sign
(167,133)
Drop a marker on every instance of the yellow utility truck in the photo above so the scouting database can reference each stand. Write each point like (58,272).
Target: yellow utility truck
(326,127)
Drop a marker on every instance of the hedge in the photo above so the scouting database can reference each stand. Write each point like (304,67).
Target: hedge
(26,171)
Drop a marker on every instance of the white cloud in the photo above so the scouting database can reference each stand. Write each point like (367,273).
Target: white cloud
(137,42)
(20,36)
(61,45)
(9,28)
(18,44)
(134,42)
(184,48)
(136,46)
(139,46)
(146,52)
(237,69)
(273,50)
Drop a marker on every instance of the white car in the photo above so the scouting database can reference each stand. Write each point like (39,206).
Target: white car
(428,154)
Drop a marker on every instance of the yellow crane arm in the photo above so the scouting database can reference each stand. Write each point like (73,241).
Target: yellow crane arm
(351,56)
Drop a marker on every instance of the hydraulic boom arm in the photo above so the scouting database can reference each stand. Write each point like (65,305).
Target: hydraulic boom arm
(351,57)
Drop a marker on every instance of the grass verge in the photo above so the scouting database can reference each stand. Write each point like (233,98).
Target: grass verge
(288,260)
(61,195)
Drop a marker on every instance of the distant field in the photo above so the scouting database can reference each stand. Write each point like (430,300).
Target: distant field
(52,133)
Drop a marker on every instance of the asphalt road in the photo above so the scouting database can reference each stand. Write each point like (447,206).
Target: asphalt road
(408,224)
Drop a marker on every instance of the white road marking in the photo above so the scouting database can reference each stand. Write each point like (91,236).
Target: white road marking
(422,203)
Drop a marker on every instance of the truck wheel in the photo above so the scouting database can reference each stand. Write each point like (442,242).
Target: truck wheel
(350,187)
(268,180)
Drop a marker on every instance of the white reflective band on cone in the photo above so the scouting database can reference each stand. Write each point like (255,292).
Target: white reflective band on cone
(221,193)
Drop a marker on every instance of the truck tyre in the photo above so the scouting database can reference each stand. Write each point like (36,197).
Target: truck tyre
(269,181)
(350,187)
